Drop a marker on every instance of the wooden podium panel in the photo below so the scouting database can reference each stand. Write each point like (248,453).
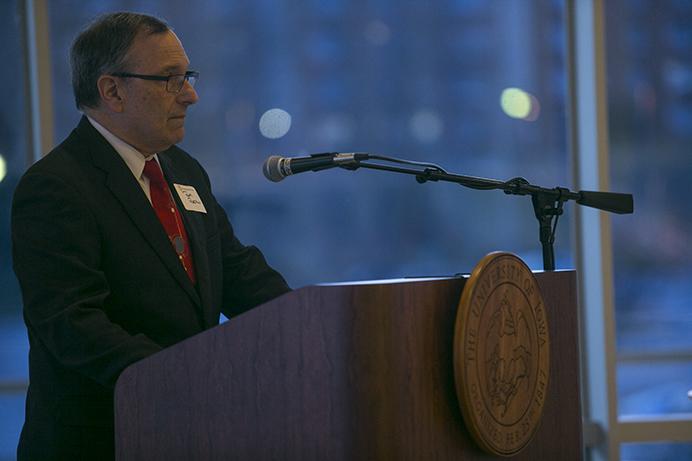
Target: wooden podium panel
(346,372)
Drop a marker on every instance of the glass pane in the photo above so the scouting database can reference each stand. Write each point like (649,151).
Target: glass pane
(13,161)
(12,411)
(655,451)
(14,347)
(650,103)
(13,149)
(405,79)
(662,389)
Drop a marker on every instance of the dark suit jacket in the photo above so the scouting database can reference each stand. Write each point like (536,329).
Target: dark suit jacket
(103,287)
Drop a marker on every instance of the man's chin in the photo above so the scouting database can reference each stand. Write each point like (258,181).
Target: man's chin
(177,135)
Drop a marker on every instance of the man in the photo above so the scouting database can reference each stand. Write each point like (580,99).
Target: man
(119,246)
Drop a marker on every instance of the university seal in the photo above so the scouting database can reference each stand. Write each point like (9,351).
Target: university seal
(501,354)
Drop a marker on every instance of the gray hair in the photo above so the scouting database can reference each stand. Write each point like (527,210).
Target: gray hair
(101,49)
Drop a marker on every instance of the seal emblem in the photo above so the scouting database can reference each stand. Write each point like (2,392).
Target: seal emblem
(501,354)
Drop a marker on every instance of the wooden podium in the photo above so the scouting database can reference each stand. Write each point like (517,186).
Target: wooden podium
(341,372)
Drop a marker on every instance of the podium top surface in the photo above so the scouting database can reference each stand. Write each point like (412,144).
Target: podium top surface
(414,279)
(392,281)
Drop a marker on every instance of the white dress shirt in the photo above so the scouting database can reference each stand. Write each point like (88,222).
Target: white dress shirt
(133,158)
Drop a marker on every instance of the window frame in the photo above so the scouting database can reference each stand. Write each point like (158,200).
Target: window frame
(604,430)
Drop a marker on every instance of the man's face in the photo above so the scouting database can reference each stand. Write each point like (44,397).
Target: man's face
(153,119)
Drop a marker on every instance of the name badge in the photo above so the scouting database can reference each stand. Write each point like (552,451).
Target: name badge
(190,198)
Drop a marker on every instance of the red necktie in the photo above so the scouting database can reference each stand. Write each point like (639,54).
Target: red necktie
(164,206)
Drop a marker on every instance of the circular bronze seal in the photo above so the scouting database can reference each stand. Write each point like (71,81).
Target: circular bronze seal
(501,354)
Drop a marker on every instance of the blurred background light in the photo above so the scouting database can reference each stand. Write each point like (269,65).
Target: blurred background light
(275,123)
(520,104)
(335,128)
(426,126)
(378,33)
(3,168)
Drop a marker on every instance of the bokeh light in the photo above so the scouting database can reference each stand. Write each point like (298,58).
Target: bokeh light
(275,123)
(426,126)
(378,33)
(3,168)
(520,104)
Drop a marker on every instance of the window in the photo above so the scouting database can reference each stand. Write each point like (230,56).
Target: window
(478,87)
(13,162)
(650,104)
(408,80)
(650,94)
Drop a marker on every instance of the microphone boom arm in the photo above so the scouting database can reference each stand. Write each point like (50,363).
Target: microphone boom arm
(547,203)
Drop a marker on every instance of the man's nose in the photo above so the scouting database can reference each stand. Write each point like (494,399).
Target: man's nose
(188,95)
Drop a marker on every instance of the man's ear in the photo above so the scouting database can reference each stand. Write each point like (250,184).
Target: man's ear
(111,92)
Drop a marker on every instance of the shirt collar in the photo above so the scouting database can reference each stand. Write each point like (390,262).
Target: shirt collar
(133,158)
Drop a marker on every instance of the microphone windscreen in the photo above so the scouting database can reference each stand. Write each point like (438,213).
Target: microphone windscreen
(271,169)
(608,201)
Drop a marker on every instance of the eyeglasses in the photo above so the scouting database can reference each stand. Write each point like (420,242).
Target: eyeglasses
(174,83)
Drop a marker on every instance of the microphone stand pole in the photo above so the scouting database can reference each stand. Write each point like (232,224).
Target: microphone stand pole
(547,203)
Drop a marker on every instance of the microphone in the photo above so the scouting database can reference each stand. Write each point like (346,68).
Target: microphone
(276,168)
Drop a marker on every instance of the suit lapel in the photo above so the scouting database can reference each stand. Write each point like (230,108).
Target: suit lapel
(194,224)
(124,186)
